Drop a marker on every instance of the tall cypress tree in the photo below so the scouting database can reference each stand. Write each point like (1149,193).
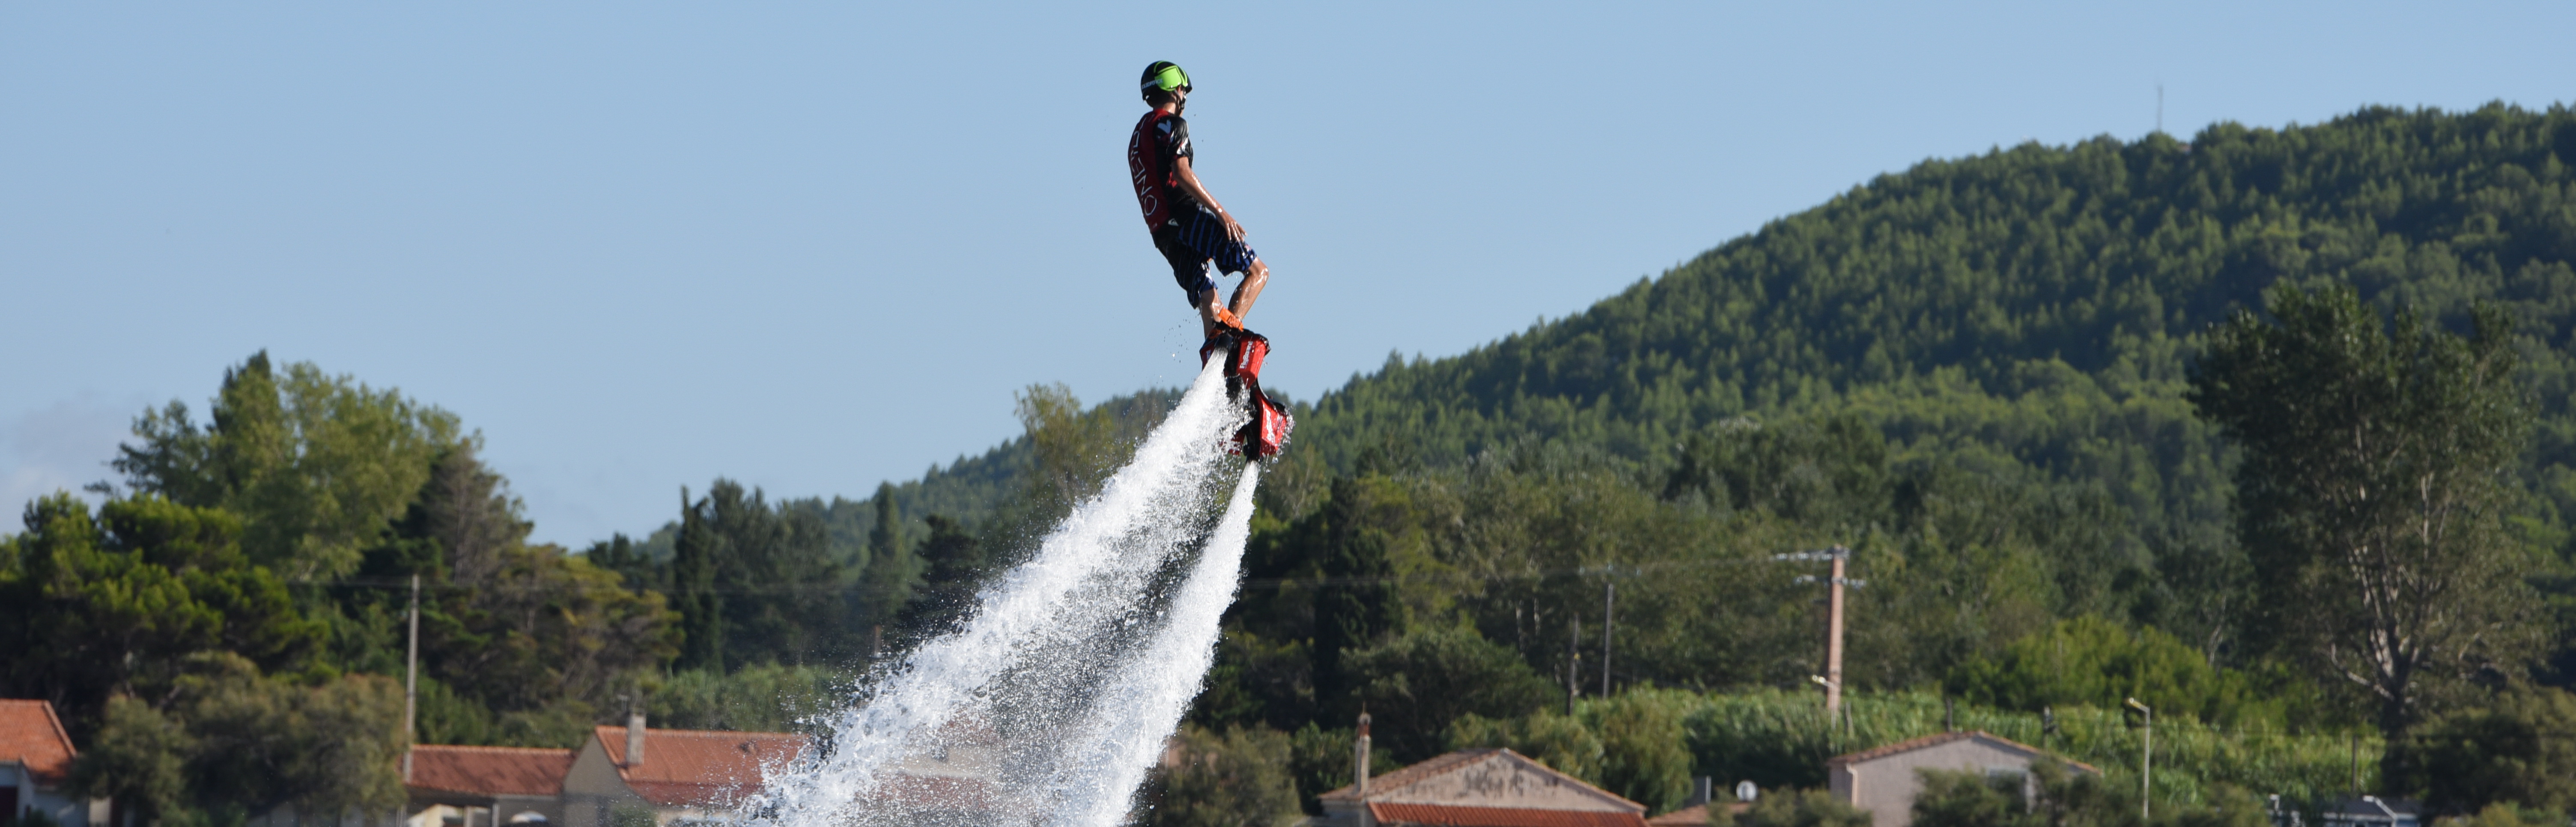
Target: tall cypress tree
(955,565)
(1356,604)
(693,582)
(892,570)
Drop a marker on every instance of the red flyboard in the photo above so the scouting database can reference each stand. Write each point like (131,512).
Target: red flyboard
(1267,430)
(1262,437)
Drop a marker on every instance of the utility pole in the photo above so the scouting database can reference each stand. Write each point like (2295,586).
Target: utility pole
(1834,634)
(1609,594)
(2146,758)
(411,680)
(1833,677)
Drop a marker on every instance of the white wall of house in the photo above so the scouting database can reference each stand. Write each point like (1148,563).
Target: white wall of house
(52,801)
(592,788)
(494,812)
(1886,785)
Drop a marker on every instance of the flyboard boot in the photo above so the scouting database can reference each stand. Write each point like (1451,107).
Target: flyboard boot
(1267,432)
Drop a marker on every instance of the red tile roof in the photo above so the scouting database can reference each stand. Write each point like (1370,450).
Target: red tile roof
(33,737)
(1944,738)
(684,767)
(489,771)
(1449,816)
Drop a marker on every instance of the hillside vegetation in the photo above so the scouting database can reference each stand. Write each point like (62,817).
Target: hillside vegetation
(1977,374)
(2055,400)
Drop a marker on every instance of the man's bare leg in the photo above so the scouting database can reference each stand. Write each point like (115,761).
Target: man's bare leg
(1254,278)
(1214,317)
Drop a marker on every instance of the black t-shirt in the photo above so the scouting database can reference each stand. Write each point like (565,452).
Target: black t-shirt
(1176,144)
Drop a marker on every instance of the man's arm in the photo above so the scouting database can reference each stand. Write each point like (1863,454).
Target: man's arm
(1190,182)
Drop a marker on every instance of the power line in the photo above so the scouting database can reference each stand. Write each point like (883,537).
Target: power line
(1249,583)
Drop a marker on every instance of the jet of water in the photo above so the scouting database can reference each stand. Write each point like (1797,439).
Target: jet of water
(1052,700)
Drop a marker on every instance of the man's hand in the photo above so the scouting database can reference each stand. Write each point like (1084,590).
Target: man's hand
(1233,228)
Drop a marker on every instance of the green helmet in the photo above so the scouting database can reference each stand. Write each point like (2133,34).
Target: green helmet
(1164,76)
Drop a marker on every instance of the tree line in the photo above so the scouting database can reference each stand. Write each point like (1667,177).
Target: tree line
(2268,429)
(225,632)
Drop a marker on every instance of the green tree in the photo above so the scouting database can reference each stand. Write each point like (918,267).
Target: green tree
(1073,450)
(261,743)
(757,698)
(112,604)
(634,567)
(2506,814)
(2089,661)
(1802,808)
(235,741)
(537,642)
(954,565)
(1238,778)
(1414,684)
(773,568)
(139,758)
(315,464)
(2373,492)
(2516,749)
(1632,744)
(694,583)
(1321,761)
(1831,475)
(1563,742)
(1355,606)
(1644,757)
(893,572)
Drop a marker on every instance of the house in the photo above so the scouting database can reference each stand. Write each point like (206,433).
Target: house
(673,774)
(958,783)
(1473,788)
(486,786)
(1883,780)
(35,760)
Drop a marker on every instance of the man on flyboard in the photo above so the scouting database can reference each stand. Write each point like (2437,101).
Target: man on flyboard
(1192,231)
(1190,227)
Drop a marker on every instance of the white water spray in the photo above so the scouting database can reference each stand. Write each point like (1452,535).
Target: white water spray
(1052,701)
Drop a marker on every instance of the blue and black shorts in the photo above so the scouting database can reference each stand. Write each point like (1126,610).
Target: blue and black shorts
(1199,240)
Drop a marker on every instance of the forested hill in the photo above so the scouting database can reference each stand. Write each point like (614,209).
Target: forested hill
(2038,304)
(2032,309)
(1974,374)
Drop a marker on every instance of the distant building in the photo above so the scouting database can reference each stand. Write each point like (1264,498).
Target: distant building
(1473,788)
(675,775)
(959,783)
(35,760)
(453,786)
(1883,780)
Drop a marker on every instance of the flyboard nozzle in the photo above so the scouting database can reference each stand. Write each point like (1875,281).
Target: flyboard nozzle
(1266,430)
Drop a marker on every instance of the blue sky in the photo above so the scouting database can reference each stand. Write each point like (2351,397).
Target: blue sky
(815,246)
